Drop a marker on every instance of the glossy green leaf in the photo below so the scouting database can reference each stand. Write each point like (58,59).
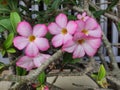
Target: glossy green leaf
(41,78)
(101,73)
(67,58)
(20,71)
(6,24)
(8,42)
(15,19)
(11,50)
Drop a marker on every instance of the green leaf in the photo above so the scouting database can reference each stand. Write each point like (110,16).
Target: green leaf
(1,65)
(67,58)
(6,24)
(1,29)
(15,19)
(101,73)
(38,88)
(56,4)
(112,4)
(97,14)
(118,25)
(49,36)
(46,2)
(38,0)
(20,71)
(11,50)
(8,42)
(3,52)
(94,76)
(41,78)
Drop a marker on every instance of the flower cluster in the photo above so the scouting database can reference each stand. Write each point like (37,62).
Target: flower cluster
(79,37)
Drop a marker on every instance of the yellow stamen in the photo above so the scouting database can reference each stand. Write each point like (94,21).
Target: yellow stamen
(82,18)
(85,31)
(64,31)
(81,41)
(31,38)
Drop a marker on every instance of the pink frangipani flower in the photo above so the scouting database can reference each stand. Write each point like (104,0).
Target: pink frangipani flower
(31,39)
(82,44)
(89,28)
(83,17)
(62,29)
(32,62)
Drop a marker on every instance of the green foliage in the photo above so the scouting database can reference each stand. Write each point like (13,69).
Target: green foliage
(8,42)
(47,2)
(1,66)
(67,58)
(41,78)
(15,19)
(6,24)
(118,25)
(11,50)
(20,71)
(7,45)
(56,4)
(97,14)
(1,29)
(112,4)
(101,73)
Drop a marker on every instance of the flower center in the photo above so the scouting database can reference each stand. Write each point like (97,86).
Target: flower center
(31,38)
(85,31)
(81,41)
(64,31)
(82,18)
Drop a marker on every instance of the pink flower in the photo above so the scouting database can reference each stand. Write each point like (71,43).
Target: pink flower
(82,44)
(32,62)
(89,28)
(62,29)
(83,17)
(31,40)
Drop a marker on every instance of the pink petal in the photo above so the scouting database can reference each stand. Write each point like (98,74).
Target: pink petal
(78,36)
(78,52)
(81,25)
(39,30)
(79,16)
(54,28)
(42,43)
(40,59)
(71,27)
(24,29)
(67,37)
(91,24)
(69,46)
(95,33)
(20,42)
(94,43)
(89,49)
(84,14)
(25,62)
(61,20)
(57,40)
(31,50)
